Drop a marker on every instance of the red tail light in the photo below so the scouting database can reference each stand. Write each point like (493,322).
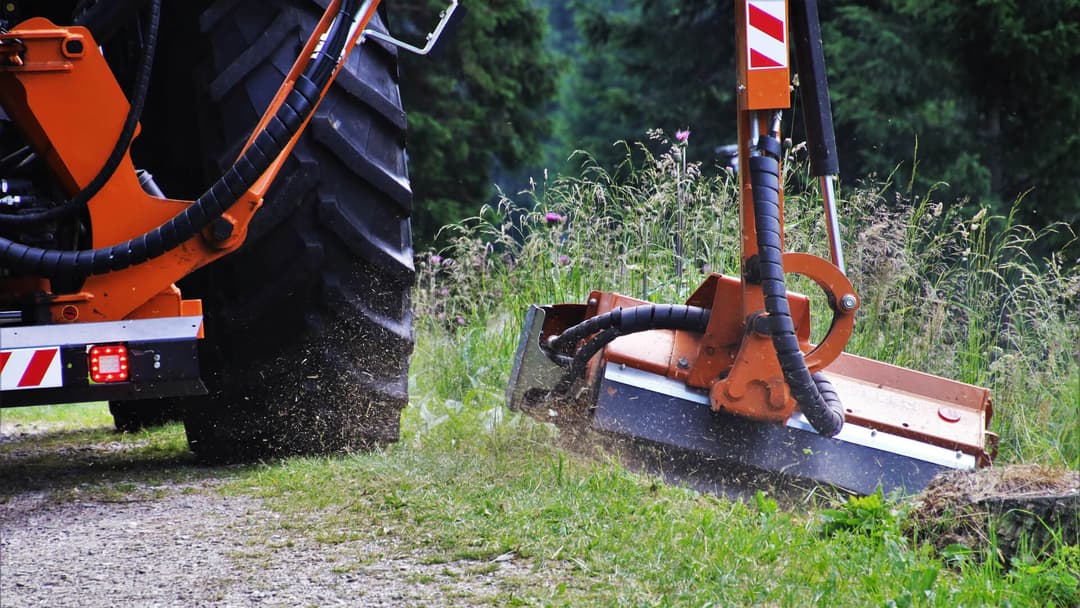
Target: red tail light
(109,363)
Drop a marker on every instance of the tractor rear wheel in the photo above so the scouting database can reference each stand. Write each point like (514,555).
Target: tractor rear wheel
(308,324)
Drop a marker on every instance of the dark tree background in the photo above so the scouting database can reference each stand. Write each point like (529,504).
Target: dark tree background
(981,98)
(479,104)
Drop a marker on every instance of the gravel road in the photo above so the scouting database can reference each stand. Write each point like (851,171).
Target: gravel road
(182,543)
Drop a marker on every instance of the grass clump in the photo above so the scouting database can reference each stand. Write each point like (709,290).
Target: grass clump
(1000,512)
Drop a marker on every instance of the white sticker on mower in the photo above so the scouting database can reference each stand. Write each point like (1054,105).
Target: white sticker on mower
(27,368)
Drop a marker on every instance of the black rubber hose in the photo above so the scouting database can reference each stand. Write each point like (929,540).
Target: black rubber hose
(581,358)
(619,322)
(123,142)
(632,320)
(824,412)
(104,19)
(222,194)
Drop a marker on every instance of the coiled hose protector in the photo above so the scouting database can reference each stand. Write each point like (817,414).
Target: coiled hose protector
(815,396)
(620,322)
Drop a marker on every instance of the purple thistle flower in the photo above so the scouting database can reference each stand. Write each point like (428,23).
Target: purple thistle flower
(563,259)
(436,259)
(461,320)
(553,218)
(682,136)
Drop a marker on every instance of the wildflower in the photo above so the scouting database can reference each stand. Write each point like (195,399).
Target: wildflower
(461,320)
(436,259)
(564,260)
(553,218)
(682,136)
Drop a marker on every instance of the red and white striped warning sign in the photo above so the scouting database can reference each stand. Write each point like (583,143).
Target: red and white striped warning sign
(30,368)
(766,34)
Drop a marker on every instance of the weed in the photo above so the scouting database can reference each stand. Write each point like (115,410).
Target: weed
(870,514)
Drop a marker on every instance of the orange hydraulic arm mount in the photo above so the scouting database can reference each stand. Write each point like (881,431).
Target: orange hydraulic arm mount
(56,85)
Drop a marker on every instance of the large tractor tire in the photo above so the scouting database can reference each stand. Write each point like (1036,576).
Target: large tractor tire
(134,416)
(308,325)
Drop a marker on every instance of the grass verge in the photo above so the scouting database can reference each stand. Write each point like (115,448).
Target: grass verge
(592,533)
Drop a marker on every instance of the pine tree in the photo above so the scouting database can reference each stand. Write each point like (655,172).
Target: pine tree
(477,106)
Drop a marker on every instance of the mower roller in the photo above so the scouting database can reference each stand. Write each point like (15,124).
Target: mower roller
(731,376)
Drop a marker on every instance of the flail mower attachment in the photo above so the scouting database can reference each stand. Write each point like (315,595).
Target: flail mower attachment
(731,376)
(902,427)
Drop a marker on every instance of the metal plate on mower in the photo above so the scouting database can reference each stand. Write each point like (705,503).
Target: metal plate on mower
(532,370)
(646,406)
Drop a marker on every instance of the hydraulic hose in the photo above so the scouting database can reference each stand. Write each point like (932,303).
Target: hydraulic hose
(619,322)
(819,404)
(123,142)
(285,123)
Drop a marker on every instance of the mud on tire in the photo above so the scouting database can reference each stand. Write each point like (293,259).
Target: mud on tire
(308,325)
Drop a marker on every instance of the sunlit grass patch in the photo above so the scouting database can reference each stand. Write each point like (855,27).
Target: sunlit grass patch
(17,420)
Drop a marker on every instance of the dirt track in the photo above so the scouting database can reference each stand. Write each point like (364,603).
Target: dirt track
(170,538)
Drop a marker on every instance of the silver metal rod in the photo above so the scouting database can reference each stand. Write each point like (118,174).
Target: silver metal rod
(10,317)
(432,38)
(828,192)
(754,133)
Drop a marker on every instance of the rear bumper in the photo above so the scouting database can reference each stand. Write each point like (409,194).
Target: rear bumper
(49,363)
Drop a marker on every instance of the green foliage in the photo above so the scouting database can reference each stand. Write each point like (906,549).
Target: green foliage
(985,94)
(976,103)
(646,63)
(578,532)
(870,514)
(966,298)
(56,417)
(475,107)
(1055,581)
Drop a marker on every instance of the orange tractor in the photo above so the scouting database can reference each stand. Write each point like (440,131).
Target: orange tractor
(730,379)
(276,128)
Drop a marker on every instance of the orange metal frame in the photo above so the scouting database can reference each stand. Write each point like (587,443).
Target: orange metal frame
(56,85)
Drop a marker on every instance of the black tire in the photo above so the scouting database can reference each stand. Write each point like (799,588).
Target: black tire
(134,416)
(309,324)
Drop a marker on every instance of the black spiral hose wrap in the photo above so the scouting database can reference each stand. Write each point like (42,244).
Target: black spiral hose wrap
(819,404)
(217,199)
(620,322)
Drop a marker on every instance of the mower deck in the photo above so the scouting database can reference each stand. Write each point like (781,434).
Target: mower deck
(867,454)
(641,405)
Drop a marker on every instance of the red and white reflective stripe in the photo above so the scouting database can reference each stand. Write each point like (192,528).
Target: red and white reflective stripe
(766,34)
(30,368)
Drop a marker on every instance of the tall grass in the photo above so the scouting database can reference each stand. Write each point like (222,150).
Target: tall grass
(942,293)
